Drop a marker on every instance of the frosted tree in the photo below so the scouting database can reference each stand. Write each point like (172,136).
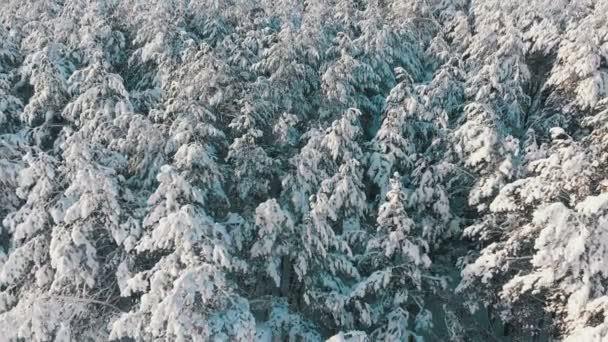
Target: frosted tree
(343,195)
(71,242)
(290,65)
(443,96)
(568,264)
(396,265)
(580,70)
(26,271)
(190,253)
(301,170)
(321,157)
(254,169)
(47,71)
(158,38)
(276,246)
(399,41)
(346,77)
(563,177)
(494,119)
(186,293)
(275,232)
(9,60)
(326,210)
(11,147)
(483,147)
(412,132)
(393,147)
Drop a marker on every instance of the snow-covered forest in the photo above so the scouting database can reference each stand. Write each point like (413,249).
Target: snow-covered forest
(304,170)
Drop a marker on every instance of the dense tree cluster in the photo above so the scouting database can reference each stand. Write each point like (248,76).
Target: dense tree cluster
(304,170)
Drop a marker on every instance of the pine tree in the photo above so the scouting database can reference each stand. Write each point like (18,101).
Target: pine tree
(303,170)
